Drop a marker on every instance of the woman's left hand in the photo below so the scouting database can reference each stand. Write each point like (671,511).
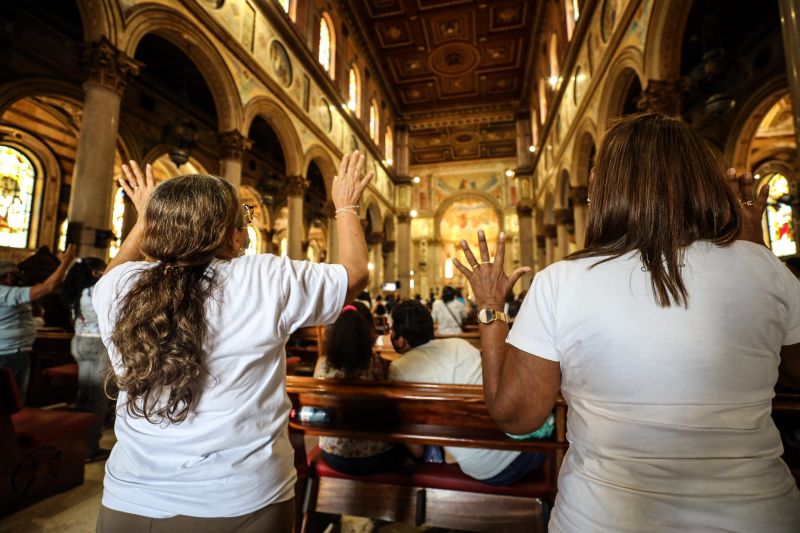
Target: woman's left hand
(488,279)
(138,185)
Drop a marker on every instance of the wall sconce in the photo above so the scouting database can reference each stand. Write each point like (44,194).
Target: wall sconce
(181,139)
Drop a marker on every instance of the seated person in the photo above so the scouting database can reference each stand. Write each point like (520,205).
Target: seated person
(449,313)
(453,361)
(350,356)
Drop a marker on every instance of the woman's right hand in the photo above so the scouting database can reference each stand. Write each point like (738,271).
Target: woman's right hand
(348,184)
(138,185)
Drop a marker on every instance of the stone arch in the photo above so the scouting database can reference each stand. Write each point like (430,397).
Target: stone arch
(585,145)
(662,50)
(162,149)
(179,30)
(39,86)
(101,18)
(627,69)
(749,118)
(279,120)
(373,215)
(318,154)
(450,200)
(388,227)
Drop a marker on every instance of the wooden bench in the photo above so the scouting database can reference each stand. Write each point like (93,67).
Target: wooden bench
(51,349)
(436,495)
(307,344)
(41,451)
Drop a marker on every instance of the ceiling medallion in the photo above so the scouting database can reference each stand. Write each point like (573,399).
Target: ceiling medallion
(453,58)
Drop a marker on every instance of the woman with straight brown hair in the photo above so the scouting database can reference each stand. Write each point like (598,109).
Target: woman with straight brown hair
(665,335)
(196,338)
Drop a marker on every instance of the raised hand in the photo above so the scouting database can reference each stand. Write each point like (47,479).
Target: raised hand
(350,182)
(752,209)
(488,279)
(138,185)
(68,255)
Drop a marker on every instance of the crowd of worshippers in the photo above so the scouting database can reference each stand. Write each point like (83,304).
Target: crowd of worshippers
(666,335)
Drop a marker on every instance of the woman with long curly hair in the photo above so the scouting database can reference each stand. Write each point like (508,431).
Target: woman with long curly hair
(196,338)
(87,347)
(665,334)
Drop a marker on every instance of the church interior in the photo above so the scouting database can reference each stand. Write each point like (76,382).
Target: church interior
(472,115)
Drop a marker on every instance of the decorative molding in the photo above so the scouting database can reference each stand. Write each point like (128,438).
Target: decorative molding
(563,216)
(295,185)
(109,66)
(579,194)
(403,217)
(525,209)
(234,144)
(541,241)
(550,231)
(388,247)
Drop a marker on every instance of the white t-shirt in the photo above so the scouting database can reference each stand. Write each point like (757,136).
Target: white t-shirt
(669,408)
(456,362)
(448,316)
(232,455)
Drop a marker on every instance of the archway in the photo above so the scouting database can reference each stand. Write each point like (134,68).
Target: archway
(460,217)
(622,93)
(314,216)
(258,228)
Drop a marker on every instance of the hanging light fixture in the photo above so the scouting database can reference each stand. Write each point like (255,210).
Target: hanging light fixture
(181,139)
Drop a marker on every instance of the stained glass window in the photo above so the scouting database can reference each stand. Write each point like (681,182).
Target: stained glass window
(780,218)
(388,143)
(353,91)
(17,181)
(325,44)
(117,218)
(373,121)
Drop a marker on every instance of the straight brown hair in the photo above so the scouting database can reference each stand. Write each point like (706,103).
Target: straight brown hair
(657,188)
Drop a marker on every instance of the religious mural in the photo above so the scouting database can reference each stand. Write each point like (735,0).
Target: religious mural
(461,221)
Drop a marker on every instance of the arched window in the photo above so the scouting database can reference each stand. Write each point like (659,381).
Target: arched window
(327,43)
(287,6)
(62,235)
(17,182)
(354,91)
(373,120)
(117,220)
(573,13)
(552,53)
(542,100)
(388,146)
(780,218)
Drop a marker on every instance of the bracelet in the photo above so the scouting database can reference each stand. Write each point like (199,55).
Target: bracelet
(352,212)
(347,208)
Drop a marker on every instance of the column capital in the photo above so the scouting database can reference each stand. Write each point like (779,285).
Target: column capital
(107,65)
(525,208)
(541,241)
(563,216)
(295,185)
(403,217)
(579,194)
(662,96)
(374,238)
(233,144)
(550,231)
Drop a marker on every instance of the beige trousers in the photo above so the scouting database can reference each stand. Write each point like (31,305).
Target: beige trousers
(275,518)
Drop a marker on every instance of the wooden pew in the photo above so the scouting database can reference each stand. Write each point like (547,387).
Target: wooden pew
(437,495)
(308,344)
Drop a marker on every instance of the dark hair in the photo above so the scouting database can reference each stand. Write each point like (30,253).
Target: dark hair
(80,276)
(350,339)
(657,189)
(448,294)
(161,326)
(412,321)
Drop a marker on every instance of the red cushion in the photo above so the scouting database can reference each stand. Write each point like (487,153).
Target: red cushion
(441,476)
(68,372)
(36,427)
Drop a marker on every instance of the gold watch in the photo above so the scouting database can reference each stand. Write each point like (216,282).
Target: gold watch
(487,316)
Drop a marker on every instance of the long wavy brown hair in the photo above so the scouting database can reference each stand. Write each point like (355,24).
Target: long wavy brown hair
(161,325)
(657,188)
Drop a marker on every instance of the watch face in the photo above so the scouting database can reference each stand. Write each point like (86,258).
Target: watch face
(486,315)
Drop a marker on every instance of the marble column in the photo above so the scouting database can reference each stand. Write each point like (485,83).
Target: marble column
(790,27)
(295,187)
(580,210)
(389,267)
(332,255)
(93,188)
(526,242)
(563,218)
(403,150)
(233,145)
(403,228)
(662,96)
(524,142)
(374,241)
(551,236)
